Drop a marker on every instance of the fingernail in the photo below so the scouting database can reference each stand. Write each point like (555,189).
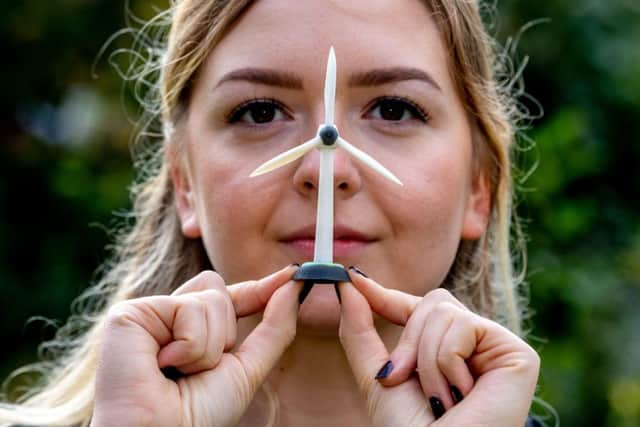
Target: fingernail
(455,393)
(335,286)
(357,270)
(295,264)
(171,372)
(306,288)
(436,407)
(385,371)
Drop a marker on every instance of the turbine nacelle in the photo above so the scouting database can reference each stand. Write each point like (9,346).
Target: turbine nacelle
(328,134)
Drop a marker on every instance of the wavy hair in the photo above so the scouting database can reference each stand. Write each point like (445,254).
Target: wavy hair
(151,256)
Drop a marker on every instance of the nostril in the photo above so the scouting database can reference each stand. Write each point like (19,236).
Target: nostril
(308,185)
(343,186)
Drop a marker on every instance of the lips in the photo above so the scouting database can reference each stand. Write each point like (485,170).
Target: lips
(346,241)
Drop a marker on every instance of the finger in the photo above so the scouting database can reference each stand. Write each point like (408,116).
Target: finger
(367,354)
(261,350)
(211,280)
(405,355)
(203,281)
(434,384)
(199,333)
(505,369)
(395,306)
(363,346)
(252,296)
(457,346)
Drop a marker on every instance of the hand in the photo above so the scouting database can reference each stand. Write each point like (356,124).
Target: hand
(193,330)
(443,344)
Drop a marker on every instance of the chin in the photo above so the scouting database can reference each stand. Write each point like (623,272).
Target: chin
(320,312)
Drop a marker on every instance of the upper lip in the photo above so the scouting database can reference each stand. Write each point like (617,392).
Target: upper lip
(340,232)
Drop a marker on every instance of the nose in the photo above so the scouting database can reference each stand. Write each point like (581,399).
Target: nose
(346,176)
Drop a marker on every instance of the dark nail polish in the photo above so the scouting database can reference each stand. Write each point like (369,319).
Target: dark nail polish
(357,270)
(385,371)
(335,286)
(455,393)
(172,373)
(436,407)
(306,288)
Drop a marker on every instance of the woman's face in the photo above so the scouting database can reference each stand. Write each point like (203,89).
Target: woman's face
(260,92)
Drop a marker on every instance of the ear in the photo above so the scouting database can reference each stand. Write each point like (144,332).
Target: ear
(185,201)
(478,208)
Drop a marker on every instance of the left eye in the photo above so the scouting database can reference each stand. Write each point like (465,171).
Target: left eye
(257,112)
(396,110)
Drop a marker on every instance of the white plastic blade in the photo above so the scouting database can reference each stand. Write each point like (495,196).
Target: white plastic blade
(330,88)
(287,157)
(367,160)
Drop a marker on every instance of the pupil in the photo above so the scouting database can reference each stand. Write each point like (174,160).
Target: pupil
(263,113)
(391,110)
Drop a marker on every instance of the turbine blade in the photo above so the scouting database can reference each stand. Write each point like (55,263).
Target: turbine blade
(330,88)
(286,157)
(367,160)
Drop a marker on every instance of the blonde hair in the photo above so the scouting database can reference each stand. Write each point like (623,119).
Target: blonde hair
(153,257)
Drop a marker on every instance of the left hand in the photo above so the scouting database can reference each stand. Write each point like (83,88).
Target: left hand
(447,345)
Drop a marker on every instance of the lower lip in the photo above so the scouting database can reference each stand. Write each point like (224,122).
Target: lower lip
(341,247)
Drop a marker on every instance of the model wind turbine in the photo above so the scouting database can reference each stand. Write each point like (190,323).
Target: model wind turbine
(323,269)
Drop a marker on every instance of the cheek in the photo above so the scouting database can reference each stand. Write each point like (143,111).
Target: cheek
(234,211)
(435,193)
(427,216)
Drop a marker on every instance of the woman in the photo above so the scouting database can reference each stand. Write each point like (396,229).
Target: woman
(417,340)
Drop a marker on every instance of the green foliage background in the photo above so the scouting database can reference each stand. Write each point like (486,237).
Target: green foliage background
(65,168)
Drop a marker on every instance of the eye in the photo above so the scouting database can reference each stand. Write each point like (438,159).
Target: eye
(258,111)
(396,109)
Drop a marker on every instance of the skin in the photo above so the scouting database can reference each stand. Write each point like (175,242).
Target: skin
(321,357)
(242,219)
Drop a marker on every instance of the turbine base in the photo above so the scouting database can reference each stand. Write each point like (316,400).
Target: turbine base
(320,273)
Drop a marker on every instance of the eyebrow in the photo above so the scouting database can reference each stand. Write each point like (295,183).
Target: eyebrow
(391,75)
(265,76)
(288,80)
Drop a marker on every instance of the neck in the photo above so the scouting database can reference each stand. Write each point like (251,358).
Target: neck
(314,383)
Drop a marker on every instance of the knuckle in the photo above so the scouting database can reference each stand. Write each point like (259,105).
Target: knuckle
(210,359)
(531,357)
(210,278)
(217,298)
(120,314)
(192,302)
(440,294)
(443,308)
(445,358)
(190,339)
(192,349)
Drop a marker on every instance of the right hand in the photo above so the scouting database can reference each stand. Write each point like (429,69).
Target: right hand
(193,330)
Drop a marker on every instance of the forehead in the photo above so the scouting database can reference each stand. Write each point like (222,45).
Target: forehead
(296,35)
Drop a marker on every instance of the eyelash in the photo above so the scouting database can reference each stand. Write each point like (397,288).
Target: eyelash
(236,114)
(414,109)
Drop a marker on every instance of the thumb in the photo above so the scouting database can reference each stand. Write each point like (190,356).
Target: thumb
(363,346)
(262,349)
(403,404)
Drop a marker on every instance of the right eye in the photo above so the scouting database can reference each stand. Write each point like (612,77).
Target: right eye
(257,112)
